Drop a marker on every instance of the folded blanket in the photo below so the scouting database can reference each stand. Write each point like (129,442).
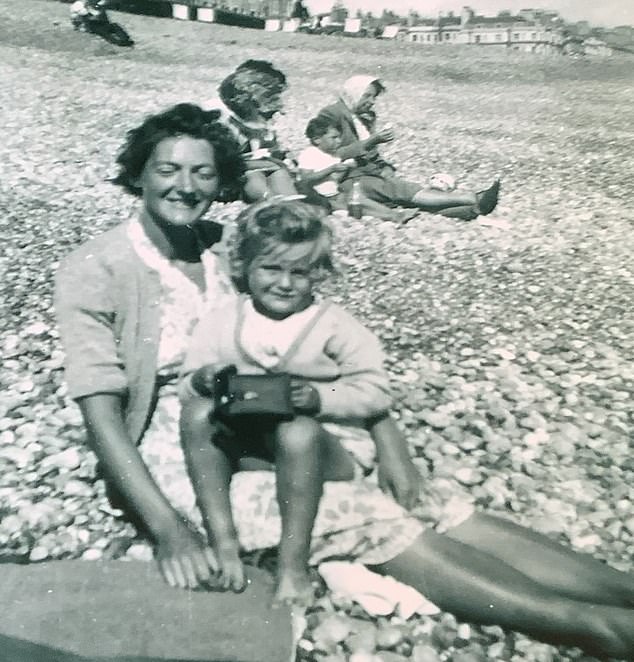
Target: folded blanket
(82,611)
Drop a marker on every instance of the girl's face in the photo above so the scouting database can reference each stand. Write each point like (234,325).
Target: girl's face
(280,281)
(366,102)
(179,181)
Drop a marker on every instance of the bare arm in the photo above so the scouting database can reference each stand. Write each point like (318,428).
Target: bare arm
(312,177)
(396,472)
(183,558)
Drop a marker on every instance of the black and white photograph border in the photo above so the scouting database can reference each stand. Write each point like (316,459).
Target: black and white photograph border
(508,340)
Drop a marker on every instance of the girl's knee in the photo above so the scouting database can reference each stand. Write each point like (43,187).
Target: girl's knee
(299,435)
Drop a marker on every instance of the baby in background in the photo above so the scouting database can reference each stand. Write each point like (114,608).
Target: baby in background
(323,171)
(282,251)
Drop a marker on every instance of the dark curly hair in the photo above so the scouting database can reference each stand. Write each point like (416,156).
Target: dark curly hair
(183,119)
(319,126)
(264,225)
(237,89)
(263,67)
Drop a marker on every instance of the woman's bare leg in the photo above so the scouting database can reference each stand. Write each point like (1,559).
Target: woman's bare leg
(435,201)
(481,588)
(384,213)
(572,574)
(255,186)
(441,202)
(281,182)
(463,212)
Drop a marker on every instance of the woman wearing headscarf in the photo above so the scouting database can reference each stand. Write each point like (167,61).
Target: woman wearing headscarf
(354,116)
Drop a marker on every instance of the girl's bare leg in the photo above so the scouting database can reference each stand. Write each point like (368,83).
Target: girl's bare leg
(299,471)
(481,588)
(569,573)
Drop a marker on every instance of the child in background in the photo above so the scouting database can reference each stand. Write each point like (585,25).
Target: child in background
(282,249)
(324,172)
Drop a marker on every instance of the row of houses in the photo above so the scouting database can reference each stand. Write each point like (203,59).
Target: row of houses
(530,30)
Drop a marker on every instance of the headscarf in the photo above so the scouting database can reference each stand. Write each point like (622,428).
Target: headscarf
(354,88)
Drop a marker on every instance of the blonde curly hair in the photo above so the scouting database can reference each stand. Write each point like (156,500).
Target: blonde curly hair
(264,225)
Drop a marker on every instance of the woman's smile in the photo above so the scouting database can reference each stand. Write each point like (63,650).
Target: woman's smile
(179,181)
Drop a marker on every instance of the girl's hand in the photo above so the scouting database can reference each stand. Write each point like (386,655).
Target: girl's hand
(399,477)
(203,381)
(185,560)
(304,397)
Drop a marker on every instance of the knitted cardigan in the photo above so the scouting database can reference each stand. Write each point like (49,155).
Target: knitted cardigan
(340,357)
(107,302)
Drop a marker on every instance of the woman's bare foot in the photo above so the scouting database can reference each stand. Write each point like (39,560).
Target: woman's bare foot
(293,588)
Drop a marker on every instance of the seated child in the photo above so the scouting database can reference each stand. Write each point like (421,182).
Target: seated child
(322,171)
(282,249)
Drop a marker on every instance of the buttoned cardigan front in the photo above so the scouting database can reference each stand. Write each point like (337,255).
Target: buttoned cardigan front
(107,302)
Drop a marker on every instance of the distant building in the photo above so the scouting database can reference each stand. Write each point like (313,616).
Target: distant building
(535,30)
(595,47)
(443,30)
(263,8)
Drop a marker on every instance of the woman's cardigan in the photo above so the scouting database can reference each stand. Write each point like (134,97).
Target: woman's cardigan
(107,302)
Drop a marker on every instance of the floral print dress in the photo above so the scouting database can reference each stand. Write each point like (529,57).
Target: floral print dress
(356,520)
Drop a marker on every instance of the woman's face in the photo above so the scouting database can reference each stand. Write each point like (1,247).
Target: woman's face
(179,181)
(366,102)
(267,95)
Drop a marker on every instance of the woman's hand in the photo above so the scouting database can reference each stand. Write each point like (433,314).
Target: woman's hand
(185,561)
(339,168)
(383,136)
(304,398)
(399,477)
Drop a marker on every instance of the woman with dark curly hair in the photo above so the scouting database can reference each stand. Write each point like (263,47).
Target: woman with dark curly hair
(126,303)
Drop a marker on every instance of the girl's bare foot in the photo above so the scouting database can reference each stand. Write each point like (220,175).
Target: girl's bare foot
(293,588)
(231,575)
